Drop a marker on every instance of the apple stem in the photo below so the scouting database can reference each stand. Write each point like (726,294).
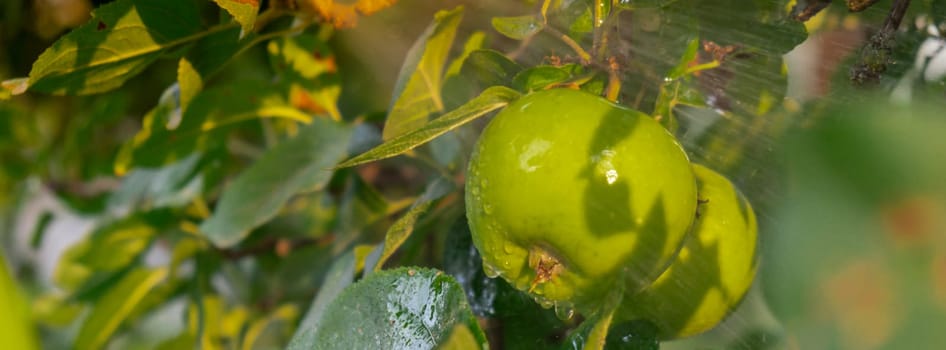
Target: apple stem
(614,81)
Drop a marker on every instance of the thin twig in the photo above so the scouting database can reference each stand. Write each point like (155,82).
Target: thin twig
(272,245)
(876,54)
(584,55)
(896,15)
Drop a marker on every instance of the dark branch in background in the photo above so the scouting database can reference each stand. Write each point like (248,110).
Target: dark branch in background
(876,55)
(280,247)
(896,15)
(804,10)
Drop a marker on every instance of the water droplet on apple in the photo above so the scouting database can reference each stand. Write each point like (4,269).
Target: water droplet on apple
(564,310)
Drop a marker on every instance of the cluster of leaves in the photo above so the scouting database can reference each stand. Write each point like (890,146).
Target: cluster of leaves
(234,196)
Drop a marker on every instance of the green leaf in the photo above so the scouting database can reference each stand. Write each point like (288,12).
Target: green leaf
(457,87)
(360,206)
(109,249)
(460,339)
(489,68)
(169,186)
(339,276)
(402,308)
(211,321)
(577,16)
(209,116)
(491,99)
(181,341)
(592,334)
(638,335)
(539,77)
(206,58)
(524,323)
(476,41)
(643,4)
(243,11)
(518,28)
(302,163)
(16,327)
(306,65)
(403,227)
(417,91)
(272,323)
(55,309)
(678,71)
(462,260)
(114,307)
(120,41)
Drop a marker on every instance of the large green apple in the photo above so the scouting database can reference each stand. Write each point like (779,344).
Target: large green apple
(713,271)
(570,196)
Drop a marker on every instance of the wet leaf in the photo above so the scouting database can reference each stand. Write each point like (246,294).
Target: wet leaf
(417,90)
(633,335)
(303,163)
(518,28)
(120,41)
(592,333)
(462,261)
(490,100)
(402,308)
(339,276)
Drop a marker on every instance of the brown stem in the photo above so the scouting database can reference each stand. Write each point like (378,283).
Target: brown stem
(876,54)
(896,15)
(584,55)
(279,246)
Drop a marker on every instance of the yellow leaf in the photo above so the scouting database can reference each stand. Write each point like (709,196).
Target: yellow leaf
(344,15)
(367,7)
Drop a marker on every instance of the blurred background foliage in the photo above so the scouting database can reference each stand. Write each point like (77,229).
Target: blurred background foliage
(102,224)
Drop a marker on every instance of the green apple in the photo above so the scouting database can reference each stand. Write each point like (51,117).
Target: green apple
(570,196)
(713,271)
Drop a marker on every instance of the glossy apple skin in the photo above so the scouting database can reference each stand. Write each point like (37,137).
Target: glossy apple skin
(570,196)
(714,269)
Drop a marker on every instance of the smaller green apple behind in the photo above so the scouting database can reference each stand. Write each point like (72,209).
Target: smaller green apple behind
(713,271)
(571,197)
